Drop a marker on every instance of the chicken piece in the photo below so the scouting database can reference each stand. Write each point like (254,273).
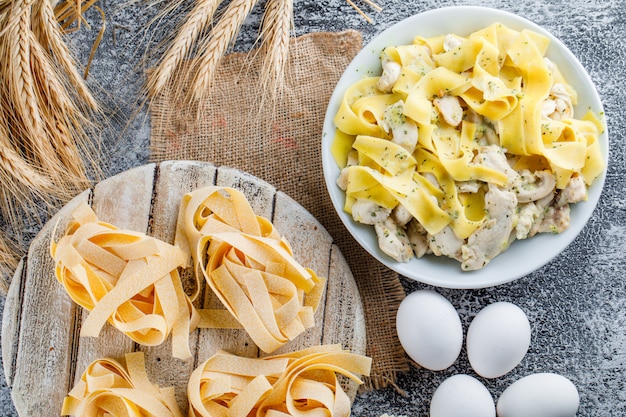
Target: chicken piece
(401,215)
(495,234)
(391,73)
(541,209)
(528,186)
(368,212)
(527,216)
(471,186)
(353,159)
(450,109)
(403,130)
(574,192)
(393,240)
(558,105)
(555,219)
(446,243)
(432,179)
(493,156)
(418,238)
(531,186)
(451,41)
(342,179)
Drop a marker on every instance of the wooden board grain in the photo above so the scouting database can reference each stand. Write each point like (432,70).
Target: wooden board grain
(41,348)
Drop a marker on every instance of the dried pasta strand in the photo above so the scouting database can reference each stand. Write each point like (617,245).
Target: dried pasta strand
(248,265)
(126,278)
(293,384)
(109,388)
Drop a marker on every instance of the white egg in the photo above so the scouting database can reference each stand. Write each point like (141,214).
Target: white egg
(462,396)
(539,395)
(429,329)
(497,339)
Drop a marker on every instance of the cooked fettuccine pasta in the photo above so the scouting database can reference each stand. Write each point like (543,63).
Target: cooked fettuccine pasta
(463,144)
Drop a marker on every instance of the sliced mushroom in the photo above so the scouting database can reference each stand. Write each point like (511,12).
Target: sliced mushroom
(533,186)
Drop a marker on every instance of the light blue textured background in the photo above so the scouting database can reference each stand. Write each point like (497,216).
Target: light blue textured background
(576,304)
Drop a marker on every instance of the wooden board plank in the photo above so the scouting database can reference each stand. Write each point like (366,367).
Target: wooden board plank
(11,323)
(41,347)
(43,362)
(123,200)
(174,179)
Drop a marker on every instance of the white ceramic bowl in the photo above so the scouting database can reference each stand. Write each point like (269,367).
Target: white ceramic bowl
(522,257)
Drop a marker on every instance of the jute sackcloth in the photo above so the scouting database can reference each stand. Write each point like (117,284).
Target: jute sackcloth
(281,144)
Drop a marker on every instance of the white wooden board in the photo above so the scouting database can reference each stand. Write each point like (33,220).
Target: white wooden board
(42,352)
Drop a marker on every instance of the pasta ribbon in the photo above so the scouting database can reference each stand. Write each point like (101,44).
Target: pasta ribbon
(248,265)
(456,153)
(409,190)
(361,108)
(301,383)
(437,82)
(126,278)
(110,388)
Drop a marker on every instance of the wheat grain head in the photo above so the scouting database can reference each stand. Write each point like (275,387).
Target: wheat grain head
(212,49)
(195,24)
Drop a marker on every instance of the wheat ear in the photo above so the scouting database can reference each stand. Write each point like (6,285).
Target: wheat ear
(20,75)
(52,36)
(196,23)
(276,30)
(8,263)
(13,166)
(215,46)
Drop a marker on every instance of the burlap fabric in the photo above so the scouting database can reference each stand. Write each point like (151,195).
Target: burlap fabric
(281,145)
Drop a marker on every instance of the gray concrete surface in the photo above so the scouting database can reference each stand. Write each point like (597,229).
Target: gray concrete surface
(576,304)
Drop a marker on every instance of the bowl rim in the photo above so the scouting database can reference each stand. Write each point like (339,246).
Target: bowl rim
(439,269)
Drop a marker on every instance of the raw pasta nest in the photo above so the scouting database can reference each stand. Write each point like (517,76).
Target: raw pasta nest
(464,144)
(132,280)
(109,388)
(249,266)
(299,384)
(126,278)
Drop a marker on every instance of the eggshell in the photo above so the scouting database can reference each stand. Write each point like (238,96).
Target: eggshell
(539,395)
(429,329)
(497,339)
(462,396)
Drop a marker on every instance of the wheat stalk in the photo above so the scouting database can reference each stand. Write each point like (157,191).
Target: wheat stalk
(15,173)
(191,83)
(46,112)
(8,263)
(196,23)
(215,46)
(275,32)
(51,35)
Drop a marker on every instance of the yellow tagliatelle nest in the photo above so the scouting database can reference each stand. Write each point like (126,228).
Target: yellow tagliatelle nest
(107,388)
(248,265)
(302,383)
(126,278)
